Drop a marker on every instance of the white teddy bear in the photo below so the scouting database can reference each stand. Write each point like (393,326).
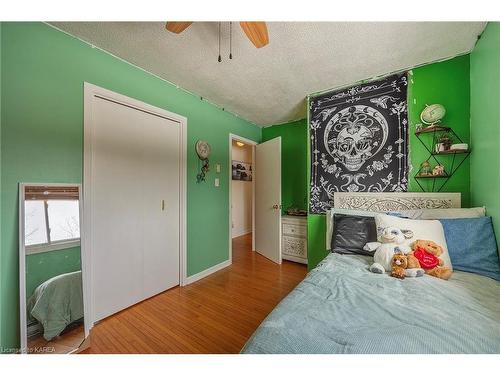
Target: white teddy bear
(393,242)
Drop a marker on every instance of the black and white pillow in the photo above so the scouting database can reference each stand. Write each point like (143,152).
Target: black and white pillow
(351,233)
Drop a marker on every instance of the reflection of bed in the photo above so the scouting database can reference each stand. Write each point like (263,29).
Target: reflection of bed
(342,308)
(57,302)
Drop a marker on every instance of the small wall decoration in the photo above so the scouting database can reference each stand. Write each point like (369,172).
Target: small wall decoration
(359,140)
(203,151)
(241,171)
(438,170)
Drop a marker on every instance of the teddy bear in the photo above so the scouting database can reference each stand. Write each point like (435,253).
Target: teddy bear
(399,264)
(393,242)
(427,253)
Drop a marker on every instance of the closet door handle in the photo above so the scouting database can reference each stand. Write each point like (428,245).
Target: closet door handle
(163,204)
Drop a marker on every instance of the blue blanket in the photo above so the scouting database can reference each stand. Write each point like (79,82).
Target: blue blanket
(341,307)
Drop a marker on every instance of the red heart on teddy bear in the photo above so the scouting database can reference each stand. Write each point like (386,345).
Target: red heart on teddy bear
(426,259)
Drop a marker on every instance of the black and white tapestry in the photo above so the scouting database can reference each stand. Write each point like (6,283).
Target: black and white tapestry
(359,140)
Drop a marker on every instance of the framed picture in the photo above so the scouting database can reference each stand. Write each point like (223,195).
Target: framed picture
(241,171)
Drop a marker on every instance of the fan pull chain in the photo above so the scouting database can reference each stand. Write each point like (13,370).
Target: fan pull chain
(230,40)
(220,58)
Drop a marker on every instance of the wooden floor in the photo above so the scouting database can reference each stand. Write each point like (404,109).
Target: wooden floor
(214,315)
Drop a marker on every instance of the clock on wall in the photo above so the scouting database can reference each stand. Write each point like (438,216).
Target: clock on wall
(203,149)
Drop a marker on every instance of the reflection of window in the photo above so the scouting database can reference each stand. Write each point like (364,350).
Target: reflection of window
(50,222)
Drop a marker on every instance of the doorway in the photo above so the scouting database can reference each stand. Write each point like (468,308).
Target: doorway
(256,185)
(241,191)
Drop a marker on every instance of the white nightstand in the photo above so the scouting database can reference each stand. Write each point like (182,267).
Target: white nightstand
(294,243)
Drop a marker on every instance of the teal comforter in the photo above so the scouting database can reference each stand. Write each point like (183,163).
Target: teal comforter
(57,302)
(341,307)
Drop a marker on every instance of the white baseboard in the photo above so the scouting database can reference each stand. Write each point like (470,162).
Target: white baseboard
(208,271)
(241,233)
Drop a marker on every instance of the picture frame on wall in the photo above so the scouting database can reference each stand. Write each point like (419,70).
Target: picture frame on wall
(241,171)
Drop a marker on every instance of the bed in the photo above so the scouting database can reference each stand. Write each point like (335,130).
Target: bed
(57,302)
(341,307)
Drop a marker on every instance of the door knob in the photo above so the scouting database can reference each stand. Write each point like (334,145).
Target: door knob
(275,207)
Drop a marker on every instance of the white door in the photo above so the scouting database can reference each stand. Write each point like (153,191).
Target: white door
(135,205)
(267,176)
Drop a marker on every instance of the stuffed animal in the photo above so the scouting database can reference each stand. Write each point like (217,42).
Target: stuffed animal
(393,242)
(399,264)
(428,255)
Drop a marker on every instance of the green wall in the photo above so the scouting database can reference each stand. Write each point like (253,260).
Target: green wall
(485,123)
(42,266)
(42,75)
(446,83)
(294,161)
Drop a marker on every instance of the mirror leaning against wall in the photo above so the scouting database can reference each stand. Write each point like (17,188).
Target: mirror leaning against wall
(51,288)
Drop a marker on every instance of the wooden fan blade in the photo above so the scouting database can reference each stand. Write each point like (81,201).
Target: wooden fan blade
(256,32)
(177,27)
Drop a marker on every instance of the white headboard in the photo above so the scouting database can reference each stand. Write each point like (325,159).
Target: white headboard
(384,202)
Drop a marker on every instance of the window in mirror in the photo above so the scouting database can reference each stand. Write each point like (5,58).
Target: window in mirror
(64,223)
(52,218)
(35,223)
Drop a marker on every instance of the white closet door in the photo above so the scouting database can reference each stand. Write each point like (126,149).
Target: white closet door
(135,244)
(161,206)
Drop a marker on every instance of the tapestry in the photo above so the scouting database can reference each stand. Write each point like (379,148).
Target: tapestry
(359,140)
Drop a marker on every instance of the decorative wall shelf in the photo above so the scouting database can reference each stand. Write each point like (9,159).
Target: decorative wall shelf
(451,160)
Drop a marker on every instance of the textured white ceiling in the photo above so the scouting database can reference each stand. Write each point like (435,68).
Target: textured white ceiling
(269,85)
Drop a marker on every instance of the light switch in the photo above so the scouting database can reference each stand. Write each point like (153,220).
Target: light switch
(217,168)
(217,182)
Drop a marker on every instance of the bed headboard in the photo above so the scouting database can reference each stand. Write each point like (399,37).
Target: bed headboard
(383,202)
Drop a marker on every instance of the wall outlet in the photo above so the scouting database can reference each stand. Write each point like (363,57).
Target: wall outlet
(217,182)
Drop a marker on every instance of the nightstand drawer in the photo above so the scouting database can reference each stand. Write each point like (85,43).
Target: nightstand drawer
(294,230)
(295,246)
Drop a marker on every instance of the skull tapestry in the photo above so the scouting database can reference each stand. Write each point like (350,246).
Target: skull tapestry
(359,140)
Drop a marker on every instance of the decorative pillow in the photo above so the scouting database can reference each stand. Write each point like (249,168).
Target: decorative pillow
(472,245)
(442,213)
(351,233)
(343,211)
(422,230)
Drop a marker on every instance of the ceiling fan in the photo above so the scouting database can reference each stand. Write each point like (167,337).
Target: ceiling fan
(256,32)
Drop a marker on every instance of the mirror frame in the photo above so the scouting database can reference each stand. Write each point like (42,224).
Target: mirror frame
(22,265)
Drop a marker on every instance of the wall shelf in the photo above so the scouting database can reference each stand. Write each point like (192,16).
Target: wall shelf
(451,160)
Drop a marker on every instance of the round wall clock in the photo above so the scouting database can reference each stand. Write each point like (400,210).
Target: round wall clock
(203,149)
(432,114)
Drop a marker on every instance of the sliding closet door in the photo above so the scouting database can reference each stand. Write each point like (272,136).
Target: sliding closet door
(135,205)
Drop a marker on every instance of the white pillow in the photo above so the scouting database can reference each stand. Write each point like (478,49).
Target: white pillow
(443,213)
(422,230)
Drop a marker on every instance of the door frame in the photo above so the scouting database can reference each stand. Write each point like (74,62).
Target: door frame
(236,137)
(91,91)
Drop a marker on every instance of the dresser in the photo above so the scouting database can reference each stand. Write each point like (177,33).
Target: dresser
(294,242)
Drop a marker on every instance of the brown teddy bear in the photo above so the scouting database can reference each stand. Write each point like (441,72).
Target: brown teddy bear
(399,263)
(426,254)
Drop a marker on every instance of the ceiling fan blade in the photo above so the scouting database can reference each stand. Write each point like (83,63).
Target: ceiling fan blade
(177,27)
(256,32)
